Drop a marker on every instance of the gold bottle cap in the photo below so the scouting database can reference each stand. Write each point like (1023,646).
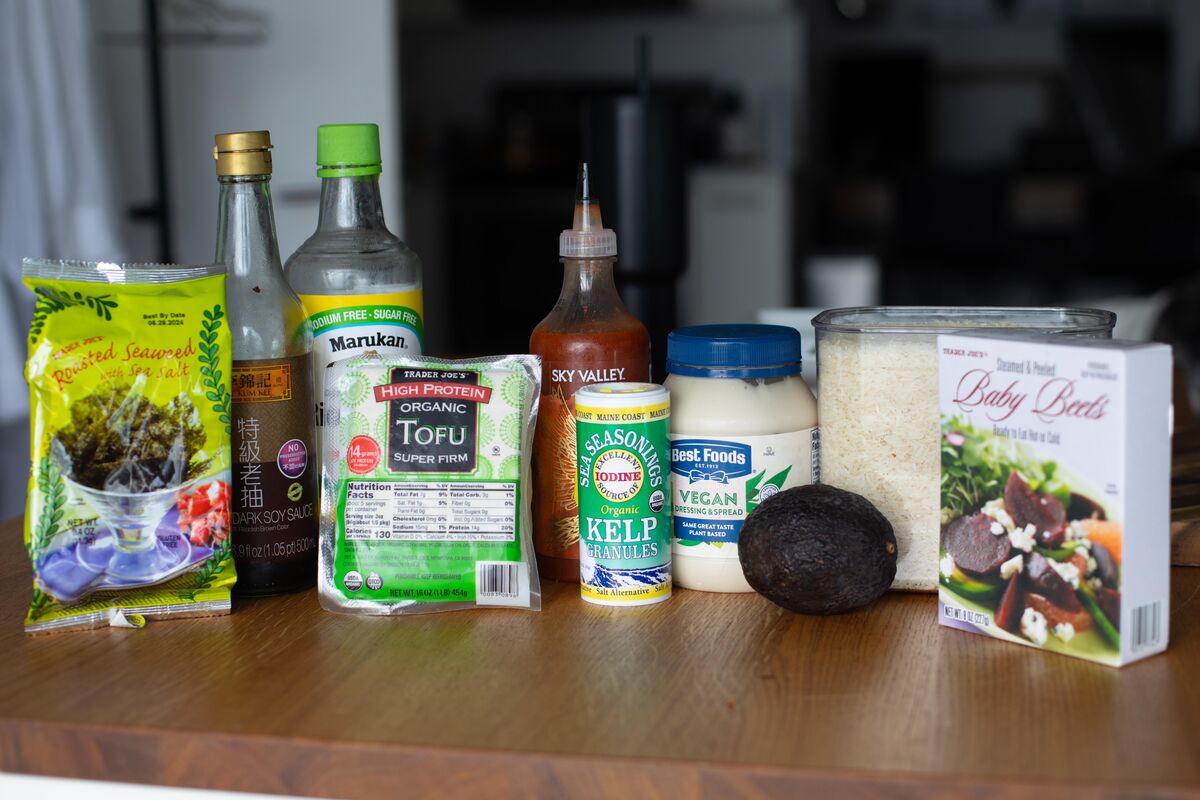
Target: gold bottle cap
(243,153)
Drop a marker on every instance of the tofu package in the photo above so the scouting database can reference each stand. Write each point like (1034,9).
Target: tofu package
(426,482)
(1055,493)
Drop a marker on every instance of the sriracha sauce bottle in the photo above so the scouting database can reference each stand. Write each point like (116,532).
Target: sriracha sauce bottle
(588,337)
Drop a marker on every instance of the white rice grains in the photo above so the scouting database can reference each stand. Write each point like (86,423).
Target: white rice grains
(878,411)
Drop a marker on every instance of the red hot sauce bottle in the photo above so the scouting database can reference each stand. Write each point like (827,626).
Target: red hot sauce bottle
(588,337)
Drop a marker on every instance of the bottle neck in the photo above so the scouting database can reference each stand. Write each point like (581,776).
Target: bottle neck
(246,242)
(590,279)
(350,203)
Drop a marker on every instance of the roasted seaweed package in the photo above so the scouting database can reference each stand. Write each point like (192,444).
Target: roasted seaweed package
(128,507)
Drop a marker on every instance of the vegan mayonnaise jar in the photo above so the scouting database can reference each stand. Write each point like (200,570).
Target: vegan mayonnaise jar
(743,428)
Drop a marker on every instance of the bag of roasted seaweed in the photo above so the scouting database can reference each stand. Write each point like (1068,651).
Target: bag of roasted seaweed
(128,509)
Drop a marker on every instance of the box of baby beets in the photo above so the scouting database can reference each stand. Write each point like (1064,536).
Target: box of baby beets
(1055,493)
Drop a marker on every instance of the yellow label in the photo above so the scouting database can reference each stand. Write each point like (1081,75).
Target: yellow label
(624,388)
(627,414)
(626,593)
(316,303)
(346,325)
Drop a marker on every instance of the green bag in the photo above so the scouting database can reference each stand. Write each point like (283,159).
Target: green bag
(128,507)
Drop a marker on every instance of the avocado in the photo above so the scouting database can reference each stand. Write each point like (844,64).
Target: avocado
(818,550)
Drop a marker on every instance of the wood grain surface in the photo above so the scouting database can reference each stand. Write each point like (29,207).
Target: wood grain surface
(705,695)
(1185,497)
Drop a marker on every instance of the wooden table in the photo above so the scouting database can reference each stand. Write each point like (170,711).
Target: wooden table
(1185,497)
(706,695)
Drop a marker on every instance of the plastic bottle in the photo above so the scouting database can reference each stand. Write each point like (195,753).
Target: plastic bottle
(588,337)
(360,285)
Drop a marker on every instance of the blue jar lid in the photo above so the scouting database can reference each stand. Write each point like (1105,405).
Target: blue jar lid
(734,351)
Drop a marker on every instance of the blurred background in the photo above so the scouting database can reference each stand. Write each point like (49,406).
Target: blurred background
(759,159)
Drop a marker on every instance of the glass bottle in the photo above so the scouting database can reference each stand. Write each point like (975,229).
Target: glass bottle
(588,337)
(360,285)
(274,501)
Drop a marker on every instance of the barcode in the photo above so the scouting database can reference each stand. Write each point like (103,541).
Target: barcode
(496,580)
(1145,627)
(815,456)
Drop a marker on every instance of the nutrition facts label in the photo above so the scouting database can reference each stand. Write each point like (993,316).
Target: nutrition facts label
(430,512)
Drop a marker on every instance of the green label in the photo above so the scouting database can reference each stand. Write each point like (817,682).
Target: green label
(429,497)
(624,504)
(422,540)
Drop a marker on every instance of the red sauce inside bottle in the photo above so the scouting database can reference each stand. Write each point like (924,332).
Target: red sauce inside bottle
(589,337)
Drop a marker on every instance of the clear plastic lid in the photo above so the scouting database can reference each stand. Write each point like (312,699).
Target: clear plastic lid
(944,319)
(587,236)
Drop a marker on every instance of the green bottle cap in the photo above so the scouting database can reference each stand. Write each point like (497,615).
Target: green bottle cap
(347,150)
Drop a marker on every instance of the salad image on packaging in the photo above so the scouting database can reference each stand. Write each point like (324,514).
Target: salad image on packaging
(1046,561)
(1054,494)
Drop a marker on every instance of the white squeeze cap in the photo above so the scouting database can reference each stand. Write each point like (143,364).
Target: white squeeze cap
(587,237)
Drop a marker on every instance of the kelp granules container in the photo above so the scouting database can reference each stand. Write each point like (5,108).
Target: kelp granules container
(622,431)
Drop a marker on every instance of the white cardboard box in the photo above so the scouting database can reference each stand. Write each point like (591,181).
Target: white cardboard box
(1073,553)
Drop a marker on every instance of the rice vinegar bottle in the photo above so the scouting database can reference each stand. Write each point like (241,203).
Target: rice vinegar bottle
(360,285)
(274,492)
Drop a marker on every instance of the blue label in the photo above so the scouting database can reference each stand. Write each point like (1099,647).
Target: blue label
(706,460)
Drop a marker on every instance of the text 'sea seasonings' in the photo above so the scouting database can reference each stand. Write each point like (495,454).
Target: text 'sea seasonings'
(624,505)
(425,484)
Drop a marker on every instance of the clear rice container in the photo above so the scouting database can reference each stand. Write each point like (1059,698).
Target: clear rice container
(877,404)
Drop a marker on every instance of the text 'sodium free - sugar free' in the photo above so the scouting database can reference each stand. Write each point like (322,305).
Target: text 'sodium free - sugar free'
(624,497)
